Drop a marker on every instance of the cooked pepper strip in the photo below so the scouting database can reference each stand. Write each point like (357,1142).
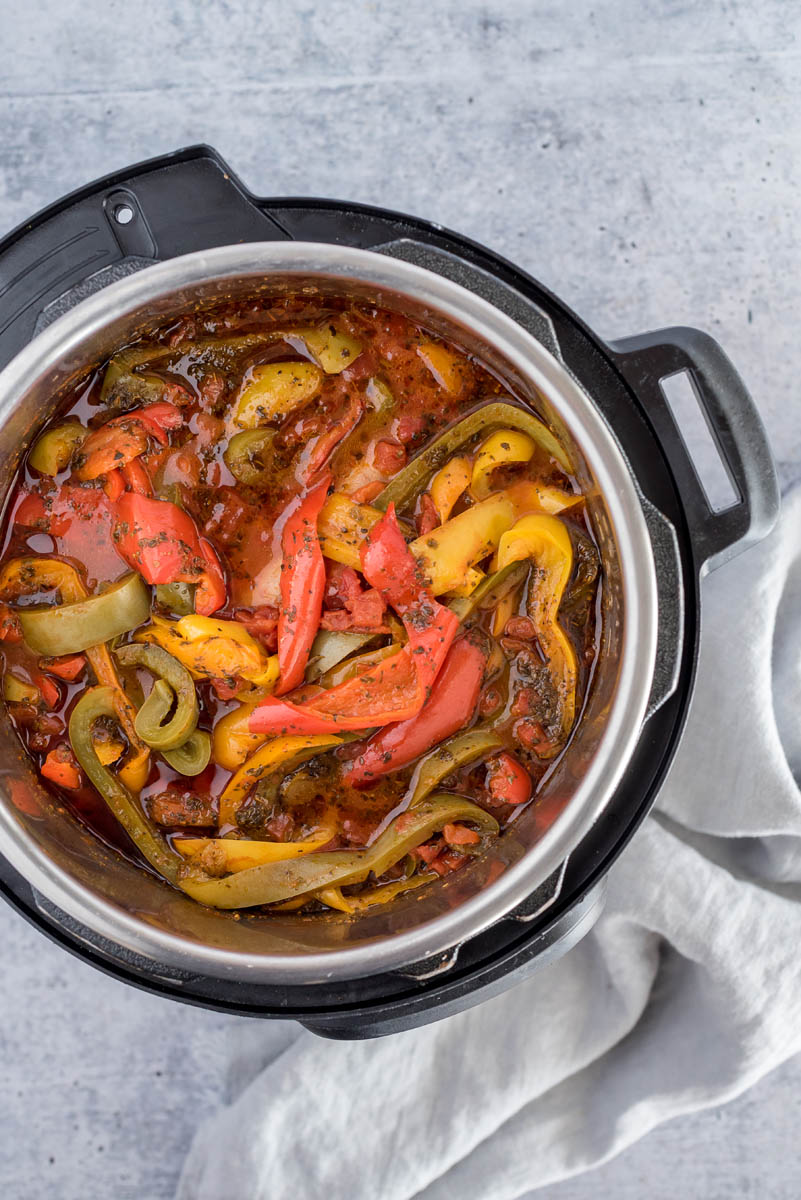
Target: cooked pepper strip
(279,755)
(342,527)
(409,482)
(330,648)
(274,390)
(450,706)
(173,689)
(22,576)
(274,882)
(70,628)
(53,451)
(449,483)
(247,456)
(490,591)
(100,702)
(192,756)
(302,586)
(160,541)
(452,754)
(237,854)
(546,542)
(502,447)
(396,688)
(211,648)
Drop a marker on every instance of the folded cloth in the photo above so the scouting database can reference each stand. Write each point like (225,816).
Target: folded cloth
(687,991)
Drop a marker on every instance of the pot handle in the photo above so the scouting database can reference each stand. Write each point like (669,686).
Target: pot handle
(734,422)
(166,206)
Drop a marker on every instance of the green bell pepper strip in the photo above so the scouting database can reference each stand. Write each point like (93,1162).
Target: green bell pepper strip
(409,482)
(247,456)
(173,687)
(330,648)
(489,591)
(456,752)
(99,702)
(70,628)
(53,451)
(192,756)
(177,598)
(277,881)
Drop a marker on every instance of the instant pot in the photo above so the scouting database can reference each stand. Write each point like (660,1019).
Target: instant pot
(128,252)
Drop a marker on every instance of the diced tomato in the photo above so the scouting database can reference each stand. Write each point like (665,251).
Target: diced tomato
(110,447)
(69,667)
(521,627)
(389,456)
(408,427)
(532,736)
(459,835)
(179,806)
(31,512)
(428,851)
(10,629)
(368,493)
(490,702)
(157,419)
(61,768)
(508,782)
(427,516)
(49,690)
(262,623)
(351,607)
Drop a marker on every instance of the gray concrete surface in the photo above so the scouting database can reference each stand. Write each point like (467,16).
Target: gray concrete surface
(641,157)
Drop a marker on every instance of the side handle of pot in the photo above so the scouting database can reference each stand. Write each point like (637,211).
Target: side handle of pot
(734,422)
(180,202)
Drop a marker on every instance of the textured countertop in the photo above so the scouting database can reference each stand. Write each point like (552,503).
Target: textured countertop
(641,159)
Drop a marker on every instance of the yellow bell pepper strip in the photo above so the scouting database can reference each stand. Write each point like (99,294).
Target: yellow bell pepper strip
(272,883)
(232,741)
(70,628)
(100,702)
(247,456)
(388,891)
(212,648)
(457,752)
(447,552)
(546,542)
(192,756)
(280,755)
(274,390)
(449,483)
(53,451)
(450,706)
(237,854)
(333,349)
(444,365)
(302,585)
(409,482)
(396,688)
(342,527)
(472,579)
(502,447)
(170,714)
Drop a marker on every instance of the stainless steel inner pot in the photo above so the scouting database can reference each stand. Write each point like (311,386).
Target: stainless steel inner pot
(130,908)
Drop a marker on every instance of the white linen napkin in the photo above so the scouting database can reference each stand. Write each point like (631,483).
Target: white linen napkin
(687,991)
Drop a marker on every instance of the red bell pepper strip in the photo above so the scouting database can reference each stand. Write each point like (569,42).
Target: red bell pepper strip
(157,419)
(302,585)
(136,477)
(396,688)
(124,438)
(160,541)
(49,690)
(114,485)
(450,706)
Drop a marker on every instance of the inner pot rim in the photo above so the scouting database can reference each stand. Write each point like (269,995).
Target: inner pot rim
(62,340)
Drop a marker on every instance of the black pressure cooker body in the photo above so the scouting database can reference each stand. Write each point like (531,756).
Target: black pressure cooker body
(190,201)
